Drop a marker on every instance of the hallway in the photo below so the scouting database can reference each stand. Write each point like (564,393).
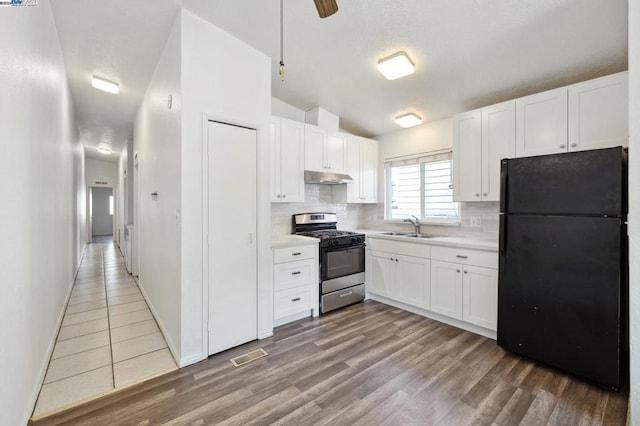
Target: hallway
(108,339)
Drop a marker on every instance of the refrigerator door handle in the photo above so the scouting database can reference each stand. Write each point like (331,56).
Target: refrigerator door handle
(503,235)
(503,186)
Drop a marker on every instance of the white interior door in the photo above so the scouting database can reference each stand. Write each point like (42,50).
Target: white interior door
(232,262)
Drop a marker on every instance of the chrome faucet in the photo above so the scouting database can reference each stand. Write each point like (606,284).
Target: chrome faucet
(415,222)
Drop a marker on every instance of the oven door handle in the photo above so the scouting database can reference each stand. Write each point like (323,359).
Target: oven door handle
(344,248)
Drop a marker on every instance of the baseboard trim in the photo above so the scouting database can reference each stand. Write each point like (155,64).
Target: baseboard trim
(192,359)
(163,329)
(264,334)
(52,344)
(434,316)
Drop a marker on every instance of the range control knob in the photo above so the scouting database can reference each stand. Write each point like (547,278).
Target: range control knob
(354,240)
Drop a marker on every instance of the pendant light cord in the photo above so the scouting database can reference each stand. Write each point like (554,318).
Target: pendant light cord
(281,71)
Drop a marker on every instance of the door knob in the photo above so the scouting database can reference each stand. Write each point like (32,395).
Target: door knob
(573,145)
(563,146)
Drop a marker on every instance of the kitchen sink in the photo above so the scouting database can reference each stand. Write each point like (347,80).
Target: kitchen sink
(402,234)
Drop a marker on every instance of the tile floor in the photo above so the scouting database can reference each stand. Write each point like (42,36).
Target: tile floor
(108,338)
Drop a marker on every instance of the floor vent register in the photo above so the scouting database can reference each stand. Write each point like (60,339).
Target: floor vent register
(248,357)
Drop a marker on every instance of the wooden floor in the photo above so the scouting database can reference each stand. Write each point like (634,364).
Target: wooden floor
(365,365)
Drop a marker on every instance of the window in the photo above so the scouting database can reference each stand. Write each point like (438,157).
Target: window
(111,205)
(421,186)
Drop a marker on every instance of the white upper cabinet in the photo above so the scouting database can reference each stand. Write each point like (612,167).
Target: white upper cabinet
(498,142)
(481,138)
(336,152)
(589,115)
(287,160)
(362,166)
(541,123)
(369,170)
(599,113)
(467,149)
(325,151)
(315,143)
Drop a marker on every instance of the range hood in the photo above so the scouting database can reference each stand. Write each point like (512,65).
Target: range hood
(326,178)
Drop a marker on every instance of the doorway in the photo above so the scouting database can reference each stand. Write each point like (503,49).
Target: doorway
(101,213)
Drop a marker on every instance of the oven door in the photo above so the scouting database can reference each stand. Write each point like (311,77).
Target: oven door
(341,261)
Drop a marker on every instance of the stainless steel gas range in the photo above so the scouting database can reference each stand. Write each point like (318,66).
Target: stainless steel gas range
(341,259)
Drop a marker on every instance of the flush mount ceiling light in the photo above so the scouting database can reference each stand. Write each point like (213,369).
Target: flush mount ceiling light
(395,66)
(105,85)
(104,148)
(408,120)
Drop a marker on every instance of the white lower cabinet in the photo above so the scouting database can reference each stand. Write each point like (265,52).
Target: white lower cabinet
(456,283)
(446,289)
(381,271)
(295,282)
(413,281)
(480,296)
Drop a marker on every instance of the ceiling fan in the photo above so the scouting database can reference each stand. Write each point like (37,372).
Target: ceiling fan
(326,7)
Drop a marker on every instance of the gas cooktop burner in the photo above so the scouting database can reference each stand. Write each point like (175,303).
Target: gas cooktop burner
(327,234)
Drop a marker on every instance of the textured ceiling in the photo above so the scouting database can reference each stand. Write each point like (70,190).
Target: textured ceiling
(468,53)
(120,40)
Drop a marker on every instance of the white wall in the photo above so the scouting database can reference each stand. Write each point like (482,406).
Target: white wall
(157,141)
(634,206)
(229,80)
(427,137)
(42,186)
(101,173)
(282,109)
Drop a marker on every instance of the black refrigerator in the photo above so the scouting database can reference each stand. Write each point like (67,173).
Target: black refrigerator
(563,286)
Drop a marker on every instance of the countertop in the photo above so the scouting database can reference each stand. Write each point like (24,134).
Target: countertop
(462,242)
(290,240)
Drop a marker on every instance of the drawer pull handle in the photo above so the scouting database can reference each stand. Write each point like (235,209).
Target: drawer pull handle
(295,299)
(459,256)
(296,254)
(346,293)
(295,273)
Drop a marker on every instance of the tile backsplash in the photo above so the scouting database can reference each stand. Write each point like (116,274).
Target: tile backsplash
(318,198)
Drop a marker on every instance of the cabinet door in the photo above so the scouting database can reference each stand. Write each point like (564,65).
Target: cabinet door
(412,281)
(541,123)
(369,171)
(276,194)
(446,288)
(498,142)
(292,161)
(380,273)
(599,113)
(315,142)
(467,148)
(353,170)
(336,160)
(480,296)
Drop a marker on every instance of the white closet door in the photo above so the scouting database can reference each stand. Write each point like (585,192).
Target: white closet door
(232,236)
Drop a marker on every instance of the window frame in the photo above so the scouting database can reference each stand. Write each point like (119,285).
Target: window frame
(417,159)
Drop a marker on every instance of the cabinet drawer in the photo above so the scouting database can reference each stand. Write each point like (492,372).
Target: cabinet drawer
(487,259)
(288,254)
(295,274)
(293,301)
(407,248)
